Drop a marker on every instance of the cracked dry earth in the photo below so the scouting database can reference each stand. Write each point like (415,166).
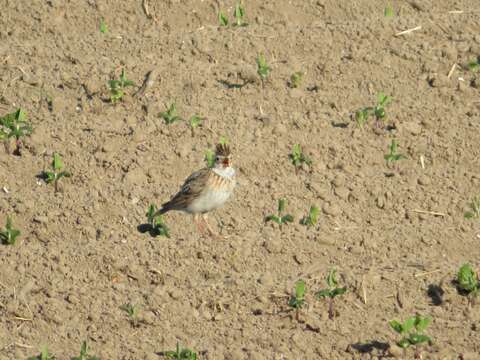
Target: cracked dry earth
(391,238)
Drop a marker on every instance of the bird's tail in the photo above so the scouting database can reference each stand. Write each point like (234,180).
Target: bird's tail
(164,208)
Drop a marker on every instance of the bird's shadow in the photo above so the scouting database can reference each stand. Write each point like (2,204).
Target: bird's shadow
(436,294)
(147,228)
(230,85)
(369,346)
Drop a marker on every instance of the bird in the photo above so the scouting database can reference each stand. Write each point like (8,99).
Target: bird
(205,190)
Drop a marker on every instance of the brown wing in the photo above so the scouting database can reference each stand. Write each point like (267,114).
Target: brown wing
(191,188)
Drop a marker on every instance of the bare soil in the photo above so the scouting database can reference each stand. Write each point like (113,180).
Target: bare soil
(393,234)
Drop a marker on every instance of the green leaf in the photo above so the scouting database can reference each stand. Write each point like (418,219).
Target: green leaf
(273,218)
(323,293)
(473,65)
(281,205)
(102,26)
(338,291)
(299,289)
(222,19)
(238,13)
(194,121)
(404,343)
(150,212)
(466,278)
(421,322)
(415,338)
(468,215)
(262,67)
(57,162)
(210,157)
(286,218)
(396,325)
(331,278)
(388,12)
(409,323)
(296,79)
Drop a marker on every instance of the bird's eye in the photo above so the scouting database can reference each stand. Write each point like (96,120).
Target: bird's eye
(217,158)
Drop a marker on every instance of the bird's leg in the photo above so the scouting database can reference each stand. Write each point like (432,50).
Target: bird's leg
(200,226)
(209,228)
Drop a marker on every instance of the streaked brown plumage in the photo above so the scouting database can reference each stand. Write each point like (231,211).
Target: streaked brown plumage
(205,189)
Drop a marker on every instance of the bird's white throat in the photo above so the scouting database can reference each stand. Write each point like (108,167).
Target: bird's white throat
(225,172)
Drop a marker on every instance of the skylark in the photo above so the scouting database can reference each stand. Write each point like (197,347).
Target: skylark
(205,190)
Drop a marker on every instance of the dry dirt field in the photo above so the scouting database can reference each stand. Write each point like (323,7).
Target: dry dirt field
(396,236)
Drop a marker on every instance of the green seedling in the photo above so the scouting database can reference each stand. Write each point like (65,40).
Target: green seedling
(83,353)
(378,111)
(117,87)
(361,116)
(467,280)
(157,226)
(194,122)
(262,67)
(210,154)
(331,292)
(280,219)
(297,157)
(8,235)
(296,79)
(15,126)
(180,353)
(474,211)
(44,355)
(57,173)
(102,26)
(170,115)
(238,14)
(210,157)
(132,312)
(297,300)
(474,64)
(388,11)
(311,218)
(392,154)
(222,19)
(411,331)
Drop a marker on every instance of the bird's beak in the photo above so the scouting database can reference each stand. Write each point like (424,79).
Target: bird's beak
(225,161)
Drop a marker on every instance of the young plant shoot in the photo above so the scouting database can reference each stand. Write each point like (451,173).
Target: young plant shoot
(8,235)
(297,300)
(194,122)
(378,111)
(15,126)
(238,14)
(297,157)
(180,354)
(132,312)
(157,226)
(262,67)
(474,211)
(280,218)
(84,353)
(474,64)
(392,156)
(331,292)
(222,19)
(411,331)
(296,79)
(44,355)
(170,115)
(467,281)
(57,173)
(311,218)
(117,87)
